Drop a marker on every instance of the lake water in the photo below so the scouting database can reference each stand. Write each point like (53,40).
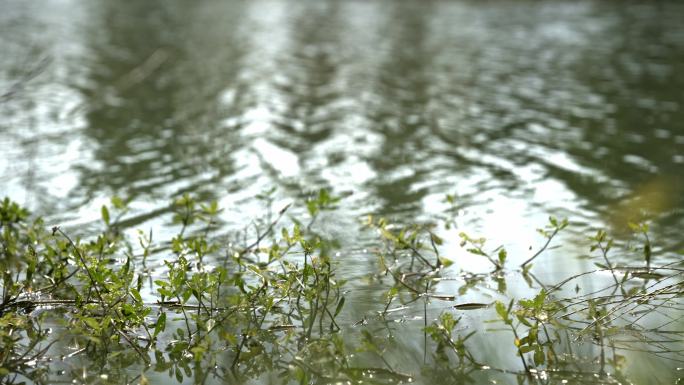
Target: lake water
(519,109)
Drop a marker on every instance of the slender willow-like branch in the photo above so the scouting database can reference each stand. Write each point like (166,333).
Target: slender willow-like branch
(85,265)
(265,233)
(548,240)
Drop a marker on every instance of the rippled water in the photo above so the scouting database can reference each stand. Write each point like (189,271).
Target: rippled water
(521,109)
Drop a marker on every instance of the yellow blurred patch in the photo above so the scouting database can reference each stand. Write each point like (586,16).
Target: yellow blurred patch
(646,202)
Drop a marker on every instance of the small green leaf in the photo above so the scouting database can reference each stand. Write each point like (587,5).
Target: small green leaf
(502,256)
(92,323)
(647,275)
(118,203)
(523,321)
(553,221)
(445,261)
(136,294)
(160,325)
(538,356)
(437,240)
(473,306)
(502,312)
(539,299)
(105,215)
(477,252)
(340,304)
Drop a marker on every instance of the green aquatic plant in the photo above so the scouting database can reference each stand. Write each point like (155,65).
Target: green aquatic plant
(442,331)
(268,302)
(476,246)
(99,286)
(534,315)
(550,231)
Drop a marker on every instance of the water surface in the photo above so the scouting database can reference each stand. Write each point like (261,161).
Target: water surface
(521,110)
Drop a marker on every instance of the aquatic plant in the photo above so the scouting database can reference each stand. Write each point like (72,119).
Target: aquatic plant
(269,306)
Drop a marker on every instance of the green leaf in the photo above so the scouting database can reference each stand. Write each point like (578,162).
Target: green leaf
(312,207)
(136,294)
(647,275)
(477,252)
(524,321)
(539,299)
(118,203)
(105,215)
(502,312)
(538,356)
(160,325)
(502,256)
(340,304)
(92,323)
(473,306)
(437,240)
(553,221)
(445,261)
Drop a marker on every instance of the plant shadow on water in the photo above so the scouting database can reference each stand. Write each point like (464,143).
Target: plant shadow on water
(272,310)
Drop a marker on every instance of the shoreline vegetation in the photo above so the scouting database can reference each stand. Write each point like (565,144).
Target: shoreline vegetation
(268,306)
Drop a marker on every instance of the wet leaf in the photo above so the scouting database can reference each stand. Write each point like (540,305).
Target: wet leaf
(473,306)
(647,275)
